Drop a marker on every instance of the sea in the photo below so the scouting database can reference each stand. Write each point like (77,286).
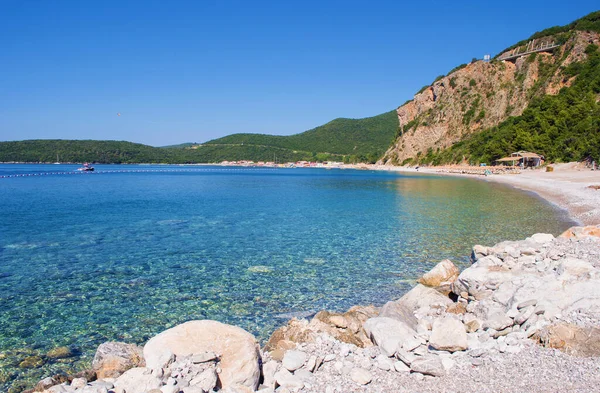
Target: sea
(128,251)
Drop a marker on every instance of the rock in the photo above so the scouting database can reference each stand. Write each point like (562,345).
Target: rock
(32,362)
(361,376)
(45,383)
(206,380)
(541,238)
(401,367)
(430,365)
(527,303)
(269,369)
(339,321)
(448,363)
(384,362)
(237,349)
(406,357)
(411,343)
(388,333)
(293,360)
(572,339)
(286,379)
(473,325)
(114,358)
(138,380)
(204,357)
(479,252)
(524,315)
(498,321)
(581,232)
(574,267)
(78,383)
(448,334)
(420,296)
(60,353)
(443,272)
(302,331)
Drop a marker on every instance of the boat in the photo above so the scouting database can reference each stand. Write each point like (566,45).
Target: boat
(86,168)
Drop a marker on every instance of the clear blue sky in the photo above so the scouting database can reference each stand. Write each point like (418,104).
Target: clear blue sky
(191,71)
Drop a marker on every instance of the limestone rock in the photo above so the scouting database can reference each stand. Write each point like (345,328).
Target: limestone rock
(388,333)
(138,380)
(237,349)
(60,353)
(420,296)
(443,272)
(293,360)
(581,232)
(361,376)
(114,358)
(448,334)
(572,339)
(430,365)
(286,379)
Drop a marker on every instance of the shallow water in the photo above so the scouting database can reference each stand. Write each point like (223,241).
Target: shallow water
(88,258)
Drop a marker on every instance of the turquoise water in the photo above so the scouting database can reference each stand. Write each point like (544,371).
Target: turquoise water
(88,258)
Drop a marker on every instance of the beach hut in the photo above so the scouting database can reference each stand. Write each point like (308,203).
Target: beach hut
(524,159)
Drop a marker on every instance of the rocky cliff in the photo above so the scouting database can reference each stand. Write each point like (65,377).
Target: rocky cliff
(481,95)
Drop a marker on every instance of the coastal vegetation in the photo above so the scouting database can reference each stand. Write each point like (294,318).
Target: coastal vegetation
(348,140)
(564,127)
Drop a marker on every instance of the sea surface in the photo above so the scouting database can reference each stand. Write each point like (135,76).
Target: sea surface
(129,251)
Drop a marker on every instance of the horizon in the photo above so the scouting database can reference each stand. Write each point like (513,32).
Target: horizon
(150,73)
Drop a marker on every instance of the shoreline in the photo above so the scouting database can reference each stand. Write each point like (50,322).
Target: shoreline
(567,187)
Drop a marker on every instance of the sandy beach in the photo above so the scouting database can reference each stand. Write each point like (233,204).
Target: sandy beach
(568,187)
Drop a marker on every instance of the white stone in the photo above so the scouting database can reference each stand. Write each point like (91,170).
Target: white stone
(388,333)
(448,334)
(237,349)
(541,238)
(361,376)
(138,380)
(430,365)
(401,367)
(293,360)
(288,380)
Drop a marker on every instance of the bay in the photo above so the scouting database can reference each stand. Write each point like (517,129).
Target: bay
(129,251)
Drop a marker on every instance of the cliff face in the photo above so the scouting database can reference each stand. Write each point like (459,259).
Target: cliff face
(479,96)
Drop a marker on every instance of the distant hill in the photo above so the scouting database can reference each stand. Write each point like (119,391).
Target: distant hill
(349,140)
(356,139)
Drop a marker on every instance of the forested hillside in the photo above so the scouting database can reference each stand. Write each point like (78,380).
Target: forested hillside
(357,139)
(544,101)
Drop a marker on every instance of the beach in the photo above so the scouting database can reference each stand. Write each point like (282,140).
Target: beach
(569,186)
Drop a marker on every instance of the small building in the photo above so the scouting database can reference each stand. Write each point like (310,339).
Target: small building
(523,159)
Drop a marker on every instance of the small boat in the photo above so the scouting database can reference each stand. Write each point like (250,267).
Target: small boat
(86,168)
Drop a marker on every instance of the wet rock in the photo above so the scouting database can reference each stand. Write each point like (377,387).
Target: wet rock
(60,353)
(32,362)
(114,358)
(237,349)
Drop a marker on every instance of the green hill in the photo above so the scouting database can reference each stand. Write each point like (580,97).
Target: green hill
(347,140)
(356,139)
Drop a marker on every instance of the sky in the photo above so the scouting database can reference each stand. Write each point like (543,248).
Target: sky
(192,71)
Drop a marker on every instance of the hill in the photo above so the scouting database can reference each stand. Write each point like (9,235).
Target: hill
(349,140)
(544,101)
(356,139)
